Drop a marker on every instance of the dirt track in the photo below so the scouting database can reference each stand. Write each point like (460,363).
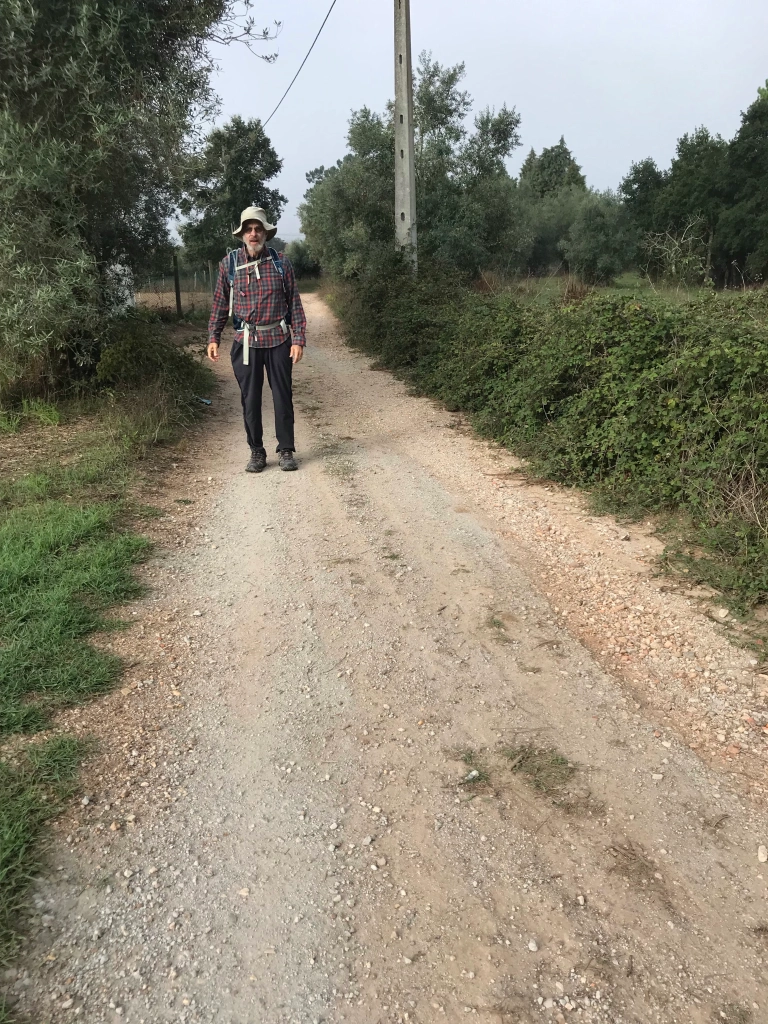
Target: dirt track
(308,841)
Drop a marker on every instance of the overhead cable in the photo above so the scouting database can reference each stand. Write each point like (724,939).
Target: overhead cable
(302,65)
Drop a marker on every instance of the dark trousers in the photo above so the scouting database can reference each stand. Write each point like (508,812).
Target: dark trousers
(277,362)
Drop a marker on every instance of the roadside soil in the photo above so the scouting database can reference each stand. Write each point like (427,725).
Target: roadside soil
(405,737)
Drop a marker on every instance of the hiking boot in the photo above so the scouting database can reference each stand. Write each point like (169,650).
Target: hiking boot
(257,461)
(286,460)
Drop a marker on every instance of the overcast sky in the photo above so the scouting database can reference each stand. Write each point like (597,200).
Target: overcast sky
(621,81)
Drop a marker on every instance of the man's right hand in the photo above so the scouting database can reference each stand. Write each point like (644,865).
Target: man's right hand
(213,352)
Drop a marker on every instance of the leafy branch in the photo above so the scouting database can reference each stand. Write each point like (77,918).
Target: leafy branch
(238,25)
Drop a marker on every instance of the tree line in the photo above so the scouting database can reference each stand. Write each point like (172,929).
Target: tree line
(704,219)
(101,146)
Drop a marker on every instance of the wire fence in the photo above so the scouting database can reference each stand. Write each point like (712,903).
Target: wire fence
(195,286)
(159,292)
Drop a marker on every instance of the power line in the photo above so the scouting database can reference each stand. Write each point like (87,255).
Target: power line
(302,65)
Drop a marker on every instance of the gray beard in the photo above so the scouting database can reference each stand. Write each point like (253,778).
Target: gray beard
(254,250)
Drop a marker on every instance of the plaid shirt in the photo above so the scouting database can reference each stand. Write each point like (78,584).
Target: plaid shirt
(262,299)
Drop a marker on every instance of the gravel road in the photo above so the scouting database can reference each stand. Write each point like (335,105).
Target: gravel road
(369,763)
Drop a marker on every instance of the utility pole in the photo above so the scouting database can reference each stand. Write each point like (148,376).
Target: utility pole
(405,169)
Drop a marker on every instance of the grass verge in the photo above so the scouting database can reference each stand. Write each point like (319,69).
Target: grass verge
(34,789)
(68,551)
(59,571)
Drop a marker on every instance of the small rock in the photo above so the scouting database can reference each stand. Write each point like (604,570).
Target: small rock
(65,1005)
(657,776)
(381,862)
(533,946)
(471,776)
(722,613)
(624,536)
(580,900)
(762,854)
(368,840)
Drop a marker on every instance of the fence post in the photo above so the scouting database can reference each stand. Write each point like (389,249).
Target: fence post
(210,278)
(177,285)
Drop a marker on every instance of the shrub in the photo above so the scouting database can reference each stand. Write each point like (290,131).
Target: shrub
(304,263)
(655,405)
(600,243)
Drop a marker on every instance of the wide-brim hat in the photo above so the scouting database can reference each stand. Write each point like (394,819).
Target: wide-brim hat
(255,213)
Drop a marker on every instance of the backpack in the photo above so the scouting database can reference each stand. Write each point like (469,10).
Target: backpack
(237,323)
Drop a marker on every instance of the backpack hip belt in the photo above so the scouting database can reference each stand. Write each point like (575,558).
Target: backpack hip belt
(247,328)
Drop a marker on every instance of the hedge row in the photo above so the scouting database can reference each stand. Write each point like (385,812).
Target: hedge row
(653,404)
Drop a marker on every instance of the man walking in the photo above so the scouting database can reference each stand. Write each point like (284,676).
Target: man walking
(259,289)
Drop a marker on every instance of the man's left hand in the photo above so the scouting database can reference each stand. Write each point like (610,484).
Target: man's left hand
(297,351)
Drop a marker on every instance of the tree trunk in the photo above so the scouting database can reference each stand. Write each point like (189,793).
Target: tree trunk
(708,268)
(177,285)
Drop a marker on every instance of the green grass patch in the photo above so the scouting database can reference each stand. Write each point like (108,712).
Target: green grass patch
(56,762)
(68,553)
(309,285)
(33,790)
(60,569)
(9,424)
(39,411)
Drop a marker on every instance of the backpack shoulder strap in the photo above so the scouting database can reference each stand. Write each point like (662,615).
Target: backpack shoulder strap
(277,261)
(231,279)
(275,256)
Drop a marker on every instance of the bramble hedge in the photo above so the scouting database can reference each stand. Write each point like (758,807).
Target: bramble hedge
(654,405)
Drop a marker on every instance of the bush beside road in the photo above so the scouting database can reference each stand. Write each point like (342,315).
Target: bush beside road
(656,405)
